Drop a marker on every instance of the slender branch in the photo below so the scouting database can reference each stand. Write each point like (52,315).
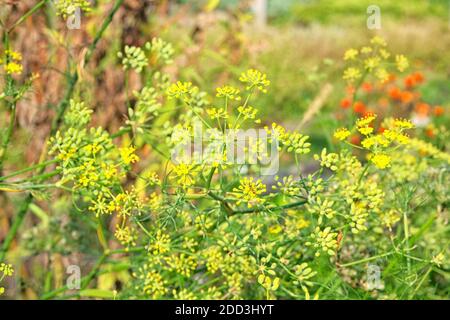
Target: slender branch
(27,14)
(7,139)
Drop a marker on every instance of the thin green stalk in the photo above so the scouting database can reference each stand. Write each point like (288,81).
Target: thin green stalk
(27,14)
(28,169)
(7,139)
(15,226)
(366,259)
(421,282)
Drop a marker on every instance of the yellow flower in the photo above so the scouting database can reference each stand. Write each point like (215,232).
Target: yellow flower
(366,50)
(365,130)
(371,63)
(369,142)
(380,160)
(179,89)
(255,78)
(384,53)
(342,134)
(249,191)
(351,74)
(186,174)
(128,156)
(13,55)
(401,62)
(403,124)
(377,40)
(438,259)
(247,112)
(13,68)
(350,54)
(382,74)
(215,113)
(6,269)
(365,121)
(228,92)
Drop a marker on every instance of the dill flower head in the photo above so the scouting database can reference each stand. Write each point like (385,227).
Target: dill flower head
(247,112)
(377,40)
(303,273)
(351,74)
(255,79)
(127,155)
(180,90)
(403,124)
(6,269)
(133,58)
(401,62)
(381,160)
(228,92)
(67,8)
(160,50)
(11,62)
(365,121)
(125,235)
(350,54)
(160,244)
(249,191)
(328,160)
(323,241)
(186,174)
(217,113)
(13,68)
(341,134)
(297,143)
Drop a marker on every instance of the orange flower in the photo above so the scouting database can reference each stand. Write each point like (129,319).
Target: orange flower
(422,109)
(418,77)
(392,77)
(383,102)
(381,129)
(407,96)
(395,93)
(350,90)
(345,103)
(429,132)
(410,81)
(367,87)
(438,111)
(359,107)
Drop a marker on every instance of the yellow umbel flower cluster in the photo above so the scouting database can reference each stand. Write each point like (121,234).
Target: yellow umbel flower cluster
(6,270)
(373,59)
(11,62)
(249,191)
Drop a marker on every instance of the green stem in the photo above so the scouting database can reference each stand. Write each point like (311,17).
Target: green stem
(7,139)
(406,232)
(366,259)
(28,169)
(15,226)
(27,14)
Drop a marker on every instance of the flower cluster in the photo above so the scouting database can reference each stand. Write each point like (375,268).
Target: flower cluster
(66,8)
(11,62)
(6,270)
(373,59)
